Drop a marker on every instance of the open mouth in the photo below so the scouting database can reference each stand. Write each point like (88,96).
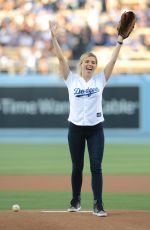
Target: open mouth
(89,68)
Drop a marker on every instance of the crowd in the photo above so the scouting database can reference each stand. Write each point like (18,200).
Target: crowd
(25,43)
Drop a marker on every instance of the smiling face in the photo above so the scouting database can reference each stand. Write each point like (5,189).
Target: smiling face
(88,64)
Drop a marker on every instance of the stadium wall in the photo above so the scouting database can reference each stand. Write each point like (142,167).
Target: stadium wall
(35,108)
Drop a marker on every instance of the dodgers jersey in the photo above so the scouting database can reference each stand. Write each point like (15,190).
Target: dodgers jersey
(85,99)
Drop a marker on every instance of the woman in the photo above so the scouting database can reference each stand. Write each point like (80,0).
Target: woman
(85,119)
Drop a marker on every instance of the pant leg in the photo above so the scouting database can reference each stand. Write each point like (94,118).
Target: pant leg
(95,143)
(76,142)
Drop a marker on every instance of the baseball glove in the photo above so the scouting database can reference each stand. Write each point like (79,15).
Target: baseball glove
(126,24)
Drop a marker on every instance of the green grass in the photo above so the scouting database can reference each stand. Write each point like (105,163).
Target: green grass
(34,159)
(51,159)
(55,159)
(129,159)
(60,201)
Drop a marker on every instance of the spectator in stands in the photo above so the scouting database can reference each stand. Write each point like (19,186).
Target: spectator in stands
(146,41)
(91,23)
(84,42)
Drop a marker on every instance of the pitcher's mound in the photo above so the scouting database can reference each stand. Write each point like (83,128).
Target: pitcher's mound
(85,220)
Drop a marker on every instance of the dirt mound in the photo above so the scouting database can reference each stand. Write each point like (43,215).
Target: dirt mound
(61,220)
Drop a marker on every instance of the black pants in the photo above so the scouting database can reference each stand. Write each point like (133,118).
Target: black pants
(77,138)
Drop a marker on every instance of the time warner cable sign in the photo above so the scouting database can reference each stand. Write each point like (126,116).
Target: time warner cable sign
(48,107)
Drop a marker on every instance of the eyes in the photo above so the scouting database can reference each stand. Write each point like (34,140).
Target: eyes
(90,62)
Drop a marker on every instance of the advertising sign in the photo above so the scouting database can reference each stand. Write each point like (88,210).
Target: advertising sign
(48,107)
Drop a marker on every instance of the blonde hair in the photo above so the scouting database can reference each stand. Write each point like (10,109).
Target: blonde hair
(86,55)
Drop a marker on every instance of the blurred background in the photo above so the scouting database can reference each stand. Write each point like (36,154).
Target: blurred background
(33,98)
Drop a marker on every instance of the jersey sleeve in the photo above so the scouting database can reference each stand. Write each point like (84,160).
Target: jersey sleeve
(104,82)
(102,79)
(69,79)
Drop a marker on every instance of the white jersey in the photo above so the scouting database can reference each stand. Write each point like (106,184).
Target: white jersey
(85,99)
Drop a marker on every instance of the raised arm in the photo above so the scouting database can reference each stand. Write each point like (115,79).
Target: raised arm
(63,64)
(125,27)
(110,65)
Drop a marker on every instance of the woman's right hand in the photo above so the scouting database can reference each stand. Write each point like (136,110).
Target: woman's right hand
(53,28)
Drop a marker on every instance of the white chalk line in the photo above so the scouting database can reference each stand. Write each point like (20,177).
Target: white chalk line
(62,211)
(88,211)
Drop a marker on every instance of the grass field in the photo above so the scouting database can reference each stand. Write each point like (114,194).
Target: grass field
(60,200)
(48,159)
(55,159)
